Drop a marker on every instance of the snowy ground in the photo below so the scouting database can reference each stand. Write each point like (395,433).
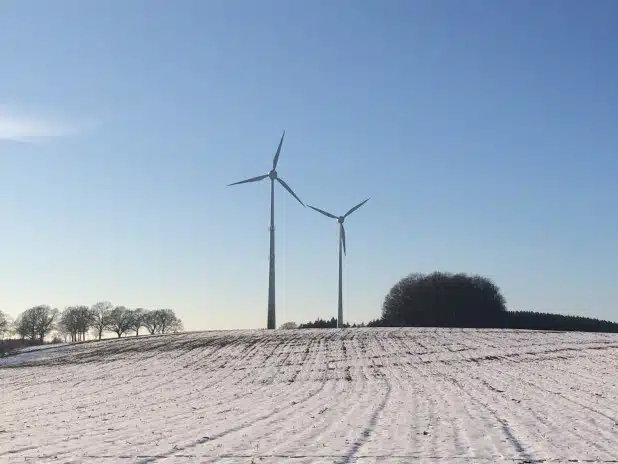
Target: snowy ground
(316,396)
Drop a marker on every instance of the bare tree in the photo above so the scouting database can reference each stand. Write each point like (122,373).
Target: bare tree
(62,331)
(26,326)
(120,320)
(23,327)
(162,321)
(11,332)
(151,322)
(168,322)
(68,323)
(85,320)
(176,325)
(77,320)
(138,320)
(288,326)
(45,318)
(5,325)
(100,313)
(36,322)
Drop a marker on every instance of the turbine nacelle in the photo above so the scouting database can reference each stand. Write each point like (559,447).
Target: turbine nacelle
(340,220)
(273,175)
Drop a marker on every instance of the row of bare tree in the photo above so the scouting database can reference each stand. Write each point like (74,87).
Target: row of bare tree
(75,322)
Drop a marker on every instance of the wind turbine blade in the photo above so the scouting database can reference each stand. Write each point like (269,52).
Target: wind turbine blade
(323,212)
(342,229)
(355,208)
(276,159)
(287,187)
(253,179)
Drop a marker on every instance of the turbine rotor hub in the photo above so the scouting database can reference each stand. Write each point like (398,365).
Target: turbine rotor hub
(340,219)
(272,174)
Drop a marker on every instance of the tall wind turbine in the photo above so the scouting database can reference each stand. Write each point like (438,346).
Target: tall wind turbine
(271,323)
(340,219)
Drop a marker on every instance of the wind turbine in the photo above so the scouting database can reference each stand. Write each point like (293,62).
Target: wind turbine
(271,270)
(340,219)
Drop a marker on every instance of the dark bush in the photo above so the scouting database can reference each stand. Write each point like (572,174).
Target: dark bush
(444,300)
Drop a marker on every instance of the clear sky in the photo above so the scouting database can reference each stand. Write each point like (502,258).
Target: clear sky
(485,133)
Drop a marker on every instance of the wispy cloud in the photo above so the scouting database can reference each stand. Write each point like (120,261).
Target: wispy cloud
(26,126)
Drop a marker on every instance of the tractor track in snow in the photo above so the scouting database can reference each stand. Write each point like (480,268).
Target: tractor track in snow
(314,396)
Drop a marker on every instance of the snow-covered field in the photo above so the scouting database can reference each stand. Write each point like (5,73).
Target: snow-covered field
(313,396)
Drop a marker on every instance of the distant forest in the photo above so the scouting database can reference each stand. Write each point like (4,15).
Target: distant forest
(461,300)
(513,320)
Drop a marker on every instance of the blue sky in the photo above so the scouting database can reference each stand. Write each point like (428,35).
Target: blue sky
(484,132)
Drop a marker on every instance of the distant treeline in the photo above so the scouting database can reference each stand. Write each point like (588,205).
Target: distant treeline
(73,324)
(547,321)
(461,300)
(511,320)
(322,324)
(529,320)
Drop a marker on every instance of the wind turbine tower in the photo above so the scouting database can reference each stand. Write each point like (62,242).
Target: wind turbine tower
(340,219)
(273,175)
